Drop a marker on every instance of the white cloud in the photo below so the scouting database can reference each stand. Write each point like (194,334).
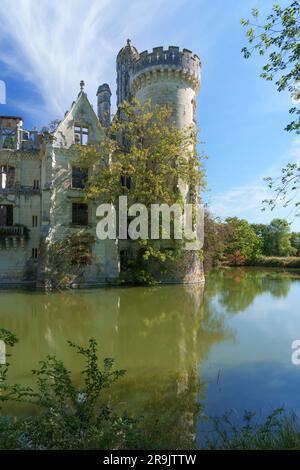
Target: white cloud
(246,201)
(52,45)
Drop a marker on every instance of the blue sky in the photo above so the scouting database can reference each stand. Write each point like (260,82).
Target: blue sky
(47,47)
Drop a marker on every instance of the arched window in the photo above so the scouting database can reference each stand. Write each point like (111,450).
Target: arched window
(7,176)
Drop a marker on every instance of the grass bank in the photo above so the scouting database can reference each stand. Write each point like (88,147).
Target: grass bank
(277,262)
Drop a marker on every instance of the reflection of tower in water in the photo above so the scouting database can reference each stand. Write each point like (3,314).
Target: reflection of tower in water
(172,337)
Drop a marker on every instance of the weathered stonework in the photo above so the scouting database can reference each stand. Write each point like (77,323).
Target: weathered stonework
(36,192)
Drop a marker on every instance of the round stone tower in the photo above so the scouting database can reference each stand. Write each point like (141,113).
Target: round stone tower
(172,77)
(165,76)
(169,77)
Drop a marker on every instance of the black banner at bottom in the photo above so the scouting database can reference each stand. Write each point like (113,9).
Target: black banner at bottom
(135,459)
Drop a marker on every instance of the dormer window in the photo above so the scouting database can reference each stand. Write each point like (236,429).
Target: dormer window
(81,134)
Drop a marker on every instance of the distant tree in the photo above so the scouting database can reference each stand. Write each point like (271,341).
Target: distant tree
(215,235)
(242,243)
(278,242)
(276,239)
(280,38)
(262,231)
(295,242)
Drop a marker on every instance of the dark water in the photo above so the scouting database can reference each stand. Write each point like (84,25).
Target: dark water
(227,345)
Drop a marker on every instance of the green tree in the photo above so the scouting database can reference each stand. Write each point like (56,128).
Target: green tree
(147,158)
(242,243)
(262,231)
(295,242)
(215,235)
(278,240)
(279,37)
(143,156)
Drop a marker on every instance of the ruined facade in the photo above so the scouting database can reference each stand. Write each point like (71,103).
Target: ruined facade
(41,189)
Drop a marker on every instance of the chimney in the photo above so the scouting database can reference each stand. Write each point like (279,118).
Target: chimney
(103,104)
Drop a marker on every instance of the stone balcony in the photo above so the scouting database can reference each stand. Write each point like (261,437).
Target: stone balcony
(14,231)
(12,237)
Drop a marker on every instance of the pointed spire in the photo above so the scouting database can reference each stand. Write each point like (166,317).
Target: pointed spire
(128,50)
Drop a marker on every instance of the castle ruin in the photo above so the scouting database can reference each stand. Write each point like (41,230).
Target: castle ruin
(41,189)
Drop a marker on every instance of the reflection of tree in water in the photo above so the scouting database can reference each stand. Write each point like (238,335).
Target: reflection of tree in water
(161,336)
(175,331)
(237,288)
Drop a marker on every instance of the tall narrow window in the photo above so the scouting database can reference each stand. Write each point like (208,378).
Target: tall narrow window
(7,176)
(124,255)
(34,253)
(81,134)
(79,177)
(36,184)
(80,214)
(126,181)
(6,215)
(34,220)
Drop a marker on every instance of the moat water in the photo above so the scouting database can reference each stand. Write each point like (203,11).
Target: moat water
(225,346)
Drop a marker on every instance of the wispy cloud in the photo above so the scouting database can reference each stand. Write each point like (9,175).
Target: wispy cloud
(246,201)
(54,44)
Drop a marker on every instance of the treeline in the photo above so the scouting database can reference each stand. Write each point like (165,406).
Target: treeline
(237,242)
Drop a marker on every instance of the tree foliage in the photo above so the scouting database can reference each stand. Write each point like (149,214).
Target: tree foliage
(275,238)
(67,416)
(236,242)
(295,242)
(242,243)
(144,156)
(286,188)
(216,233)
(69,258)
(279,37)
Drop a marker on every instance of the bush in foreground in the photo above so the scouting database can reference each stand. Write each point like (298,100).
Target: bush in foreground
(67,416)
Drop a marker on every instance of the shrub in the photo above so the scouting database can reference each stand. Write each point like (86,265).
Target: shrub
(68,416)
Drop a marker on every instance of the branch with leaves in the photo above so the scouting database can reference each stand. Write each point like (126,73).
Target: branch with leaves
(279,37)
(286,188)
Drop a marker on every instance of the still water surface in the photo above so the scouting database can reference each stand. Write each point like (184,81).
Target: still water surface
(227,346)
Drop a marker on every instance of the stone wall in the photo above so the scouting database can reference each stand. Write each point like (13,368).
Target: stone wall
(16,245)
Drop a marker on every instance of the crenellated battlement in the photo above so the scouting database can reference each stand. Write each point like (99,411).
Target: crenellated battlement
(172,58)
